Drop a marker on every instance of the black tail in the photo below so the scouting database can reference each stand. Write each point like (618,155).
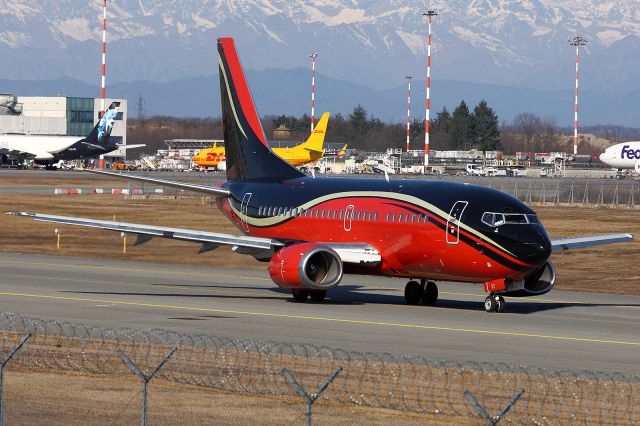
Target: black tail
(101,132)
(247,152)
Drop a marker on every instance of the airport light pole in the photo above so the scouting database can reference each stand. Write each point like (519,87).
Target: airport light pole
(408,77)
(313,57)
(576,41)
(429,14)
(104,67)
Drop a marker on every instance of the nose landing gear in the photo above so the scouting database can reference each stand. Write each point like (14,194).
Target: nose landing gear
(425,291)
(494,303)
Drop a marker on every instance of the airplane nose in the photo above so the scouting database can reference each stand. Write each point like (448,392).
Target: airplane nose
(538,246)
(601,157)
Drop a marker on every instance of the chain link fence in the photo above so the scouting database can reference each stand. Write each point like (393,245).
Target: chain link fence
(373,380)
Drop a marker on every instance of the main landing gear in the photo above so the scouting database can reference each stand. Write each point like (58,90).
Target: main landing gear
(316,296)
(425,291)
(494,303)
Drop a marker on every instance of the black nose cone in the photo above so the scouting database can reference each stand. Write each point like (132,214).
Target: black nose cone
(537,245)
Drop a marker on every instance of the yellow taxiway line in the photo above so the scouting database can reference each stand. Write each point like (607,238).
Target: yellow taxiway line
(325,319)
(243,277)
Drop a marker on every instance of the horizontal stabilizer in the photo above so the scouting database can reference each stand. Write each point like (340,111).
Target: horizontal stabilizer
(211,190)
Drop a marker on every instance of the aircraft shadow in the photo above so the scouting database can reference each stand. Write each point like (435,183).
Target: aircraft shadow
(350,295)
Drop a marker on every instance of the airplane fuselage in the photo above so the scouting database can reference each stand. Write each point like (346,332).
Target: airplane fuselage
(624,155)
(52,148)
(422,229)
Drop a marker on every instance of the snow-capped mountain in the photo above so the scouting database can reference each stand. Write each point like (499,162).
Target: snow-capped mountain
(373,42)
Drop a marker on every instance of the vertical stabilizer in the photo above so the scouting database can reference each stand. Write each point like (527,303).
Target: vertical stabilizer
(316,139)
(101,133)
(247,152)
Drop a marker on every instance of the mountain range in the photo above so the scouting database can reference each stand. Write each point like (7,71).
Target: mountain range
(514,54)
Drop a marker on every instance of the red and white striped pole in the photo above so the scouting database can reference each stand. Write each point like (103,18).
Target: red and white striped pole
(104,58)
(429,14)
(104,54)
(576,41)
(313,57)
(408,77)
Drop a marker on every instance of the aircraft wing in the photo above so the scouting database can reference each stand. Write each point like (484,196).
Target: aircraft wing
(261,248)
(209,240)
(211,190)
(562,244)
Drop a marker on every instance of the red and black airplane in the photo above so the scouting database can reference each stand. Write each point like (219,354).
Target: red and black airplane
(313,230)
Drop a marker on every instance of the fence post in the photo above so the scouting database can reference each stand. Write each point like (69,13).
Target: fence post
(493,420)
(585,199)
(145,379)
(601,195)
(4,363)
(571,196)
(543,197)
(309,399)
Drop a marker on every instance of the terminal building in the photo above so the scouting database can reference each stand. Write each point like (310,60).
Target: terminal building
(57,115)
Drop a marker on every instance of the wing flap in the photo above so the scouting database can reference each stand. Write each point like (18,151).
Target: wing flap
(562,244)
(150,231)
(211,190)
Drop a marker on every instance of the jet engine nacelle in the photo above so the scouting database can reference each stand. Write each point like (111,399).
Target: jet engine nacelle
(637,167)
(306,265)
(538,282)
(222,166)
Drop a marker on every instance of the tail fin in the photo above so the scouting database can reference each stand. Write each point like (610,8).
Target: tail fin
(316,139)
(247,152)
(101,132)
(342,151)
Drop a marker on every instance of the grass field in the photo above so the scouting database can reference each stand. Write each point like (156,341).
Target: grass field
(611,268)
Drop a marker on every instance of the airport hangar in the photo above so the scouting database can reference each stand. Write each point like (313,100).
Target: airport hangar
(58,115)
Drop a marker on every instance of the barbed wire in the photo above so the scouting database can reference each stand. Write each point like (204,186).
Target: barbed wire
(382,380)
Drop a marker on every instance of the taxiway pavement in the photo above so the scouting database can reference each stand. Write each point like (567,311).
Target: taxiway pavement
(562,330)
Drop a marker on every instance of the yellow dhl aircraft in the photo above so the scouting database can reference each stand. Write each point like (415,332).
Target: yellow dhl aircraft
(306,152)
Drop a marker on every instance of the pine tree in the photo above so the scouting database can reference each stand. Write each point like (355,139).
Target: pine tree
(440,130)
(484,124)
(359,125)
(460,127)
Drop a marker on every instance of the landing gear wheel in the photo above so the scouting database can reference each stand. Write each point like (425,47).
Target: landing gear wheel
(430,295)
(490,303)
(300,295)
(317,296)
(412,293)
(501,304)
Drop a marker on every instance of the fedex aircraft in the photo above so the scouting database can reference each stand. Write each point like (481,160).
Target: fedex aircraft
(48,150)
(310,231)
(625,155)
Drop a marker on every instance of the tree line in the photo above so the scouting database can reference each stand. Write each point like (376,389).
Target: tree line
(462,129)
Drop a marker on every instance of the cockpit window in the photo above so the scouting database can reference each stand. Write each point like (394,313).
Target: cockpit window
(498,219)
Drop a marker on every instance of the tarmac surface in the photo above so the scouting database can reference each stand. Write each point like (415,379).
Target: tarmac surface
(562,330)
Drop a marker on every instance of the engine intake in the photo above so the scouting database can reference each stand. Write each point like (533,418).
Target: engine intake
(306,265)
(538,282)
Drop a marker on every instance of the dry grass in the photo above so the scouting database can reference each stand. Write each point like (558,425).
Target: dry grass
(610,268)
(69,398)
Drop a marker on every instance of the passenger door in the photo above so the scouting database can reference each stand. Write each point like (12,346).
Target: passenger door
(453,222)
(243,210)
(348,216)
